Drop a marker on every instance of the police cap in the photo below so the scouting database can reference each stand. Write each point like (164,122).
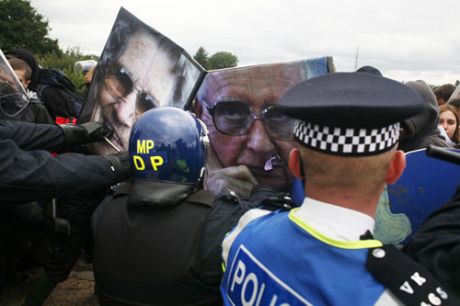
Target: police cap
(350,114)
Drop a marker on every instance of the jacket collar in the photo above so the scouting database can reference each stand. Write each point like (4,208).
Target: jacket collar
(155,194)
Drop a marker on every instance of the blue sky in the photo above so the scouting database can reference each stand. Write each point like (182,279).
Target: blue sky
(406,40)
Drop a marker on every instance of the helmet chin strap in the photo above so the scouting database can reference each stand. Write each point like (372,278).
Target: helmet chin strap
(204,133)
(200,183)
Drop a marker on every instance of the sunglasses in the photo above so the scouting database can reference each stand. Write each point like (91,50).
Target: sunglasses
(120,84)
(235,118)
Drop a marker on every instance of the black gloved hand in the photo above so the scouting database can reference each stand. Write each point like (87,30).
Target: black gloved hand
(267,198)
(120,165)
(76,134)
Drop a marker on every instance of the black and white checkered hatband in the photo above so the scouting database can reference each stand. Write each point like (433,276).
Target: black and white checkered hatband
(347,141)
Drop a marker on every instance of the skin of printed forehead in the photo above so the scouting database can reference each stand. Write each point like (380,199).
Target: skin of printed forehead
(146,61)
(269,82)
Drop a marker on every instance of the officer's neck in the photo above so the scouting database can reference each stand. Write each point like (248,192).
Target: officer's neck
(358,200)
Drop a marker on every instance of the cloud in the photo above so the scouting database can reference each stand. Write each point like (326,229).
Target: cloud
(404,39)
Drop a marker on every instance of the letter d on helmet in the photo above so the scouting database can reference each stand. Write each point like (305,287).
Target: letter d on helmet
(168,144)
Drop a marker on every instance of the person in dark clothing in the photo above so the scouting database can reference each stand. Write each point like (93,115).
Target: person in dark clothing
(436,245)
(153,222)
(29,173)
(165,230)
(35,111)
(56,102)
(65,248)
(38,175)
(420,131)
(30,60)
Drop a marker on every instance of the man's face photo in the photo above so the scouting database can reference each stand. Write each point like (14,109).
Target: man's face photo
(131,85)
(244,128)
(139,69)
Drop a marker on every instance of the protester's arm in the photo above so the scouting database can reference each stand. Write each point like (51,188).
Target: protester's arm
(36,175)
(437,244)
(29,136)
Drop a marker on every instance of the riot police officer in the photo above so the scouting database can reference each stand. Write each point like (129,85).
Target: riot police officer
(158,236)
(149,232)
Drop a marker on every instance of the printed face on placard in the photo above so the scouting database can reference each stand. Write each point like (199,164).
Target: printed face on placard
(139,69)
(244,127)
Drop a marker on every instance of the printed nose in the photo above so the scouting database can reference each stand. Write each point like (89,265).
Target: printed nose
(259,140)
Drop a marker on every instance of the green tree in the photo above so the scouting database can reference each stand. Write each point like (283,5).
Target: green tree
(21,26)
(220,60)
(201,56)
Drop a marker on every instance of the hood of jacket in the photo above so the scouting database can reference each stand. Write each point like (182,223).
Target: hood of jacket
(422,129)
(154,193)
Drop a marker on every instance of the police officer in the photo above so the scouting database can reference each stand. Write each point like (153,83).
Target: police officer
(29,173)
(323,252)
(157,238)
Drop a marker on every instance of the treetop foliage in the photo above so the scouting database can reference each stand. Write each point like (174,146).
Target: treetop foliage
(218,60)
(22,27)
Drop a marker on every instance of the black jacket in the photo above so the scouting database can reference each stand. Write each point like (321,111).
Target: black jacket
(146,243)
(36,113)
(436,245)
(36,175)
(159,243)
(57,102)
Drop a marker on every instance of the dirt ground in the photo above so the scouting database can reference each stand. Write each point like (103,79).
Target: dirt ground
(77,290)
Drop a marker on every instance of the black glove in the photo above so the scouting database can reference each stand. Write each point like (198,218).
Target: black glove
(76,134)
(267,198)
(120,165)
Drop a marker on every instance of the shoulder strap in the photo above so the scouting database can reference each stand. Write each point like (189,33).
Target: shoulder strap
(411,283)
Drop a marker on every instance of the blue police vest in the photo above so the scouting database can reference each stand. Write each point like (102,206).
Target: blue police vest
(279,260)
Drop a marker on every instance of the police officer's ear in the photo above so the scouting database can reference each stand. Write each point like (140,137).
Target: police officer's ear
(295,163)
(396,167)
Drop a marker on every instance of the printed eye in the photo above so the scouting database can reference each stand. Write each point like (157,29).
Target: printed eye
(233,111)
(118,81)
(146,102)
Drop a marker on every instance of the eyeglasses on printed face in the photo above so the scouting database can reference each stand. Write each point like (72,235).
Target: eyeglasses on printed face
(120,84)
(235,118)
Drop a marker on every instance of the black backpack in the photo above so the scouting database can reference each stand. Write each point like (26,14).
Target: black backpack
(59,94)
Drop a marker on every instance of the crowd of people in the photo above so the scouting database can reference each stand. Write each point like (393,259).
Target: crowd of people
(200,209)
